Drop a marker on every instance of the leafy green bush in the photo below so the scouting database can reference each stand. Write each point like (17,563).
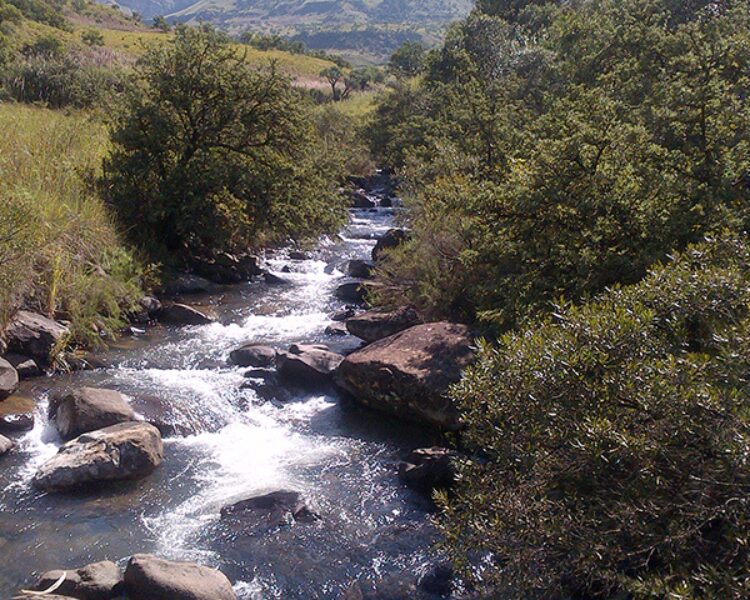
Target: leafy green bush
(572,159)
(48,12)
(616,439)
(62,82)
(210,154)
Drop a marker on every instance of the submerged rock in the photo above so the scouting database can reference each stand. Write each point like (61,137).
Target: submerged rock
(282,507)
(377,324)
(182,314)
(8,379)
(148,577)
(390,239)
(35,336)
(253,355)
(97,581)
(428,469)
(87,409)
(309,367)
(408,374)
(123,451)
(6,445)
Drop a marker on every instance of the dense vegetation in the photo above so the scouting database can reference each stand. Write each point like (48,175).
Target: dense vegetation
(577,174)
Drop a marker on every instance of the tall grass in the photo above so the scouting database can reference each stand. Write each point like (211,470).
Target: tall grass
(59,252)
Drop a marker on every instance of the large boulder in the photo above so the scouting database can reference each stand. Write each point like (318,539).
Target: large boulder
(282,507)
(376,324)
(428,469)
(408,374)
(253,355)
(122,451)
(35,336)
(97,581)
(87,409)
(308,366)
(182,314)
(390,239)
(8,379)
(148,577)
(6,445)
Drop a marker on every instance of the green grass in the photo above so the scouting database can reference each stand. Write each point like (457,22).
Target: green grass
(358,106)
(59,252)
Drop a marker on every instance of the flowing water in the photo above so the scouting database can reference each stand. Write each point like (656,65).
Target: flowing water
(342,458)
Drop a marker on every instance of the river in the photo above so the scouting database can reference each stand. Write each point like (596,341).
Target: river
(342,458)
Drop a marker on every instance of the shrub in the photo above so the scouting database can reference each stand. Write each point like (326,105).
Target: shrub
(616,442)
(92,37)
(212,155)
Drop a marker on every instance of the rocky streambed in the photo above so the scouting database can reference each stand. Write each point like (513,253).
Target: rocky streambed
(277,462)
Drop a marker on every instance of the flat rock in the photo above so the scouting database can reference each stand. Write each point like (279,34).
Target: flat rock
(282,507)
(148,577)
(374,325)
(309,368)
(253,355)
(408,374)
(8,379)
(35,336)
(182,314)
(6,445)
(97,581)
(25,366)
(122,451)
(87,409)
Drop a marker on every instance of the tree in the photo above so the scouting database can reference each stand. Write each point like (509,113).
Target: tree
(161,23)
(333,75)
(407,60)
(212,155)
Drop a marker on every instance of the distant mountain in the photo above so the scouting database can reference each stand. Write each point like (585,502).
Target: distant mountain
(364,30)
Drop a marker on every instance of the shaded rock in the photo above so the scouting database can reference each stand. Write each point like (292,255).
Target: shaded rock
(390,239)
(308,366)
(386,202)
(361,269)
(377,324)
(260,373)
(8,379)
(428,469)
(122,451)
(35,336)
(151,305)
(97,581)
(87,409)
(253,355)
(185,284)
(225,268)
(299,255)
(286,269)
(272,279)
(84,362)
(282,507)
(182,314)
(6,445)
(148,577)
(16,423)
(25,367)
(268,390)
(438,580)
(351,291)
(394,587)
(359,199)
(343,315)
(407,374)
(337,329)
(156,410)
(302,348)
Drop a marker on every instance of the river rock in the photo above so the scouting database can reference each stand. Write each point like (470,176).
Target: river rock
(309,367)
(390,239)
(35,336)
(97,581)
(183,284)
(87,409)
(344,314)
(336,329)
(351,291)
(8,379)
(407,374)
(359,199)
(428,469)
(148,577)
(16,423)
(182,314)
(224,268)
(361,269)
(253,355)
(282,507)
(6,445)
(272,279)
(25,366)
(299,255)
(122,451)
(377,324)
